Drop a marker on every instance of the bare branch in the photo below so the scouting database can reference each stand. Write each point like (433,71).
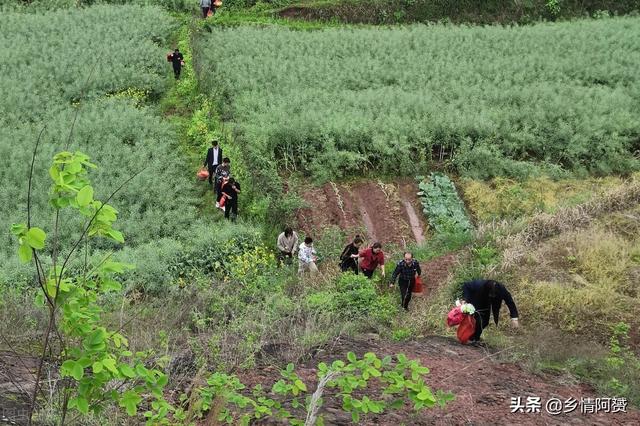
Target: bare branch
(33,161)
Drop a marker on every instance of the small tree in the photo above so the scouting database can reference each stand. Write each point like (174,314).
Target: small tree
(96,366)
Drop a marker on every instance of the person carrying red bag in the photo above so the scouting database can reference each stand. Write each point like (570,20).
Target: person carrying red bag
(407,269)
(487,297)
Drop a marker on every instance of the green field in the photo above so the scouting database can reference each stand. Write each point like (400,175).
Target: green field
(558,98)
(111,80)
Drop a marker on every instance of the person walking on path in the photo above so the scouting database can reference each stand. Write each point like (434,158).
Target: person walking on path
(222,171)
(205,5)
(213,160)
(371,258)
(349,256)
(407,269)
(287,245)
(307,258)
(177,61)
(231,191)
(487,296)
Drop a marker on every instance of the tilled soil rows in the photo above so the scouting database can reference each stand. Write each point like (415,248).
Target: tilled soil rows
(385,212)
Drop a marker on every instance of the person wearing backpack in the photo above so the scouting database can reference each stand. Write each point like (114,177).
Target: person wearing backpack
(371,258)
(487,296)
(349,256)
(407,270)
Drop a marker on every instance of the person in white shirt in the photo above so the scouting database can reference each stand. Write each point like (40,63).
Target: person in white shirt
(307,257)
(287,245)
(213,159)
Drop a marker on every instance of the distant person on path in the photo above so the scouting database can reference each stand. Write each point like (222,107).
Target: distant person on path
(205,5)
(177,60)
(307,258)
(213,160)
(371,258)
(287,245)
(349,256)
(486,296)
(223,170)
(407,269)
(231,191)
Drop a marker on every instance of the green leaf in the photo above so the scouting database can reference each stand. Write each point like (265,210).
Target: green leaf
(77,372)
(127,371)
(351,357)
(80,403)
(97,367)
(110,364)
(35,238)
(18,229)
(300,385)
(130,400)
(116,235)
(85,196)
(25,253)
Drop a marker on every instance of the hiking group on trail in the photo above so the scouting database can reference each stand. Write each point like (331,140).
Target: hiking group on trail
(480,297)
(217,170)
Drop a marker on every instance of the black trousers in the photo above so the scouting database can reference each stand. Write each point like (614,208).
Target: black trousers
(218,187)
(482,321)
(349,264)
(176,70)
(285,257)
(231,209)
(367,273)
(405,291)
(205,11)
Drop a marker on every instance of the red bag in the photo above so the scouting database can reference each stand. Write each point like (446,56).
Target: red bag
(169,57)
(202,174)
(454,317)
(209,14)
(222,201)
(467,328)
(417,287)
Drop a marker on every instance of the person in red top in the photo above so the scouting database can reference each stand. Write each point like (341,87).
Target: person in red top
(370,259)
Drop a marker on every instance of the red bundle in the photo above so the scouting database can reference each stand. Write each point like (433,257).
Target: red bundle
(202,174)
(466,329)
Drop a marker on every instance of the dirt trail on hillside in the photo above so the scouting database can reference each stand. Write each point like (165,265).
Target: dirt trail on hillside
(385,212)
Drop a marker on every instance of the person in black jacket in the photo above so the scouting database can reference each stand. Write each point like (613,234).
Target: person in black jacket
(349,256)
(213,160)
(487,296)
(177,60)
(230,191)
(407,270)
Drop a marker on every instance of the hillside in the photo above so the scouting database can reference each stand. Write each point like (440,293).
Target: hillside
(510,153)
